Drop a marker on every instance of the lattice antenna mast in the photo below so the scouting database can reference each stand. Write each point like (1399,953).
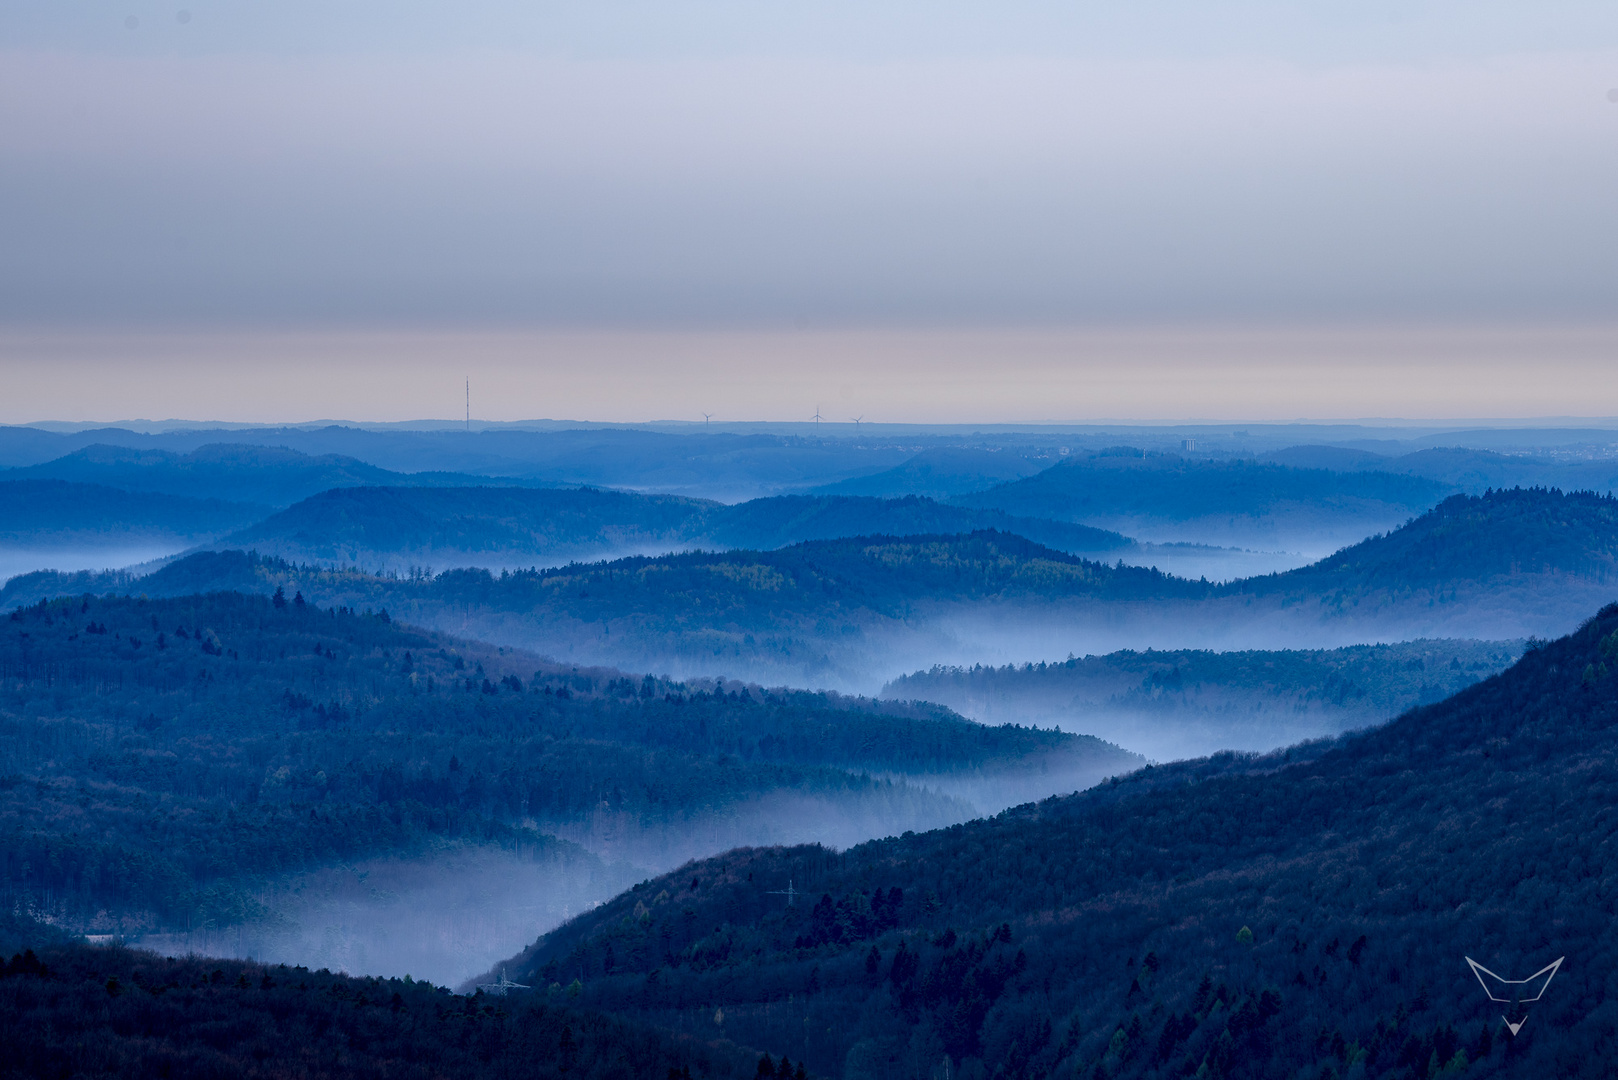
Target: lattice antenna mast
(789,892)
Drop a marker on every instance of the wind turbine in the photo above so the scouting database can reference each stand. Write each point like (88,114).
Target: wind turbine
(707,416)
(857,420)
(817,417)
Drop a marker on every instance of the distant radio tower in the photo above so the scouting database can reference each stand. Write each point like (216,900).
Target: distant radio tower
(789,892)
(469,405)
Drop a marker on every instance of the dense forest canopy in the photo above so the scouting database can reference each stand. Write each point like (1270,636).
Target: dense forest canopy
(1195,701)
(946,471)
(395,527)
(162,756)
(265,476)
(849,612)
(1305,913)
(74,1010)
(1468,469)
(1475,539)
(818,611)
(1159,495)
(726,465)
(296,750)
(57,512)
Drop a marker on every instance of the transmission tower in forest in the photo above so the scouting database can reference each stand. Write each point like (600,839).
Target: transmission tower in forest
(498,989)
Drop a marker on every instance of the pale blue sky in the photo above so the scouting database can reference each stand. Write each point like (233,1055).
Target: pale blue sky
(776,164)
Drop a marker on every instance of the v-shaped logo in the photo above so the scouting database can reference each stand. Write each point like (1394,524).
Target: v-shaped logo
(1515,994)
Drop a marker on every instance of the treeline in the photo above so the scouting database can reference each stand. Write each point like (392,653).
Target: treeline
(1467,540)
(160,756)
(237,473)
(1128,482)
(815,610)
(378,527)
(1306,913)
(73,1010)
(1355,683)
(41,512)
(1508,564)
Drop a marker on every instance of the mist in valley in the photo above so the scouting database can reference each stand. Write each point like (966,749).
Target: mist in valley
(1191,560)
(1217,564)
(132,558)
(1276,540)
(452,915)
(442,919)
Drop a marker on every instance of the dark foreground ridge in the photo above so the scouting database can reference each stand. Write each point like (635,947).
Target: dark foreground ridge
(1305,913)
(77,1011)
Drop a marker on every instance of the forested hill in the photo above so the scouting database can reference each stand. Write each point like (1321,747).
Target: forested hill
(398,527)
(944,471)
(854,612)
(814,612)
(162,755)
(260,475)
(1471,470)
(1300,914)
(389,526)
(1181,703)
(1469,541)
(107,1012)
(791,519)
(58,512)
(1252,503)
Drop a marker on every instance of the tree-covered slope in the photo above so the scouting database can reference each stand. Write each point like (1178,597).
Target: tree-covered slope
(384,526)
(163,758)
(1468,469)
(942,472)
(1471,542)
(57,512)
(854,612)
(81,1011)
(792,519)
(1253,503)
(244,473)
(1181,703)
(506,527)
(1307,913)
(820,611)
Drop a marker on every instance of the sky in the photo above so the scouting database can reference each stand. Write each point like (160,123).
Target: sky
(652,205)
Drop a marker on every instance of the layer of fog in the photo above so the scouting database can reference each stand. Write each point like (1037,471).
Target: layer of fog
(995,634)
(17,560)
(1318,532)
(442,920)
(890,806)
(1188,733)
(450,916)
(1188,559)
(990,791)
(1202,560)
